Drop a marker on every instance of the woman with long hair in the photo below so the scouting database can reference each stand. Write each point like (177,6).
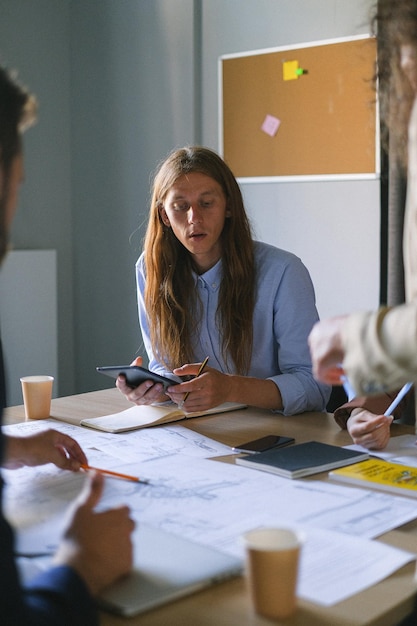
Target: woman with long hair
(206,288)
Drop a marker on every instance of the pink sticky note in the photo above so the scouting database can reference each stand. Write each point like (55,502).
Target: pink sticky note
(270,125)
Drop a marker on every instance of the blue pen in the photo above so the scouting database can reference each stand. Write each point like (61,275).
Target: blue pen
(347,387)
(398,398)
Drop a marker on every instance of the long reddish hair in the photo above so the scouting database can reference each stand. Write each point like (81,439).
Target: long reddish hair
(171,300)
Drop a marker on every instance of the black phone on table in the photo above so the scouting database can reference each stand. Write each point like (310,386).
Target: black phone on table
(264,443)
(135,375)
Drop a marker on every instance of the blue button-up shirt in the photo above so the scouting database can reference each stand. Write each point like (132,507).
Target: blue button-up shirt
(284,314)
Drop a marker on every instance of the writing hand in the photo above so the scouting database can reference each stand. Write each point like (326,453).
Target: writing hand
(369,430)
(205,391)
(49,446)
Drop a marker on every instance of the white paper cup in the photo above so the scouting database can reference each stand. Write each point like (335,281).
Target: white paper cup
(37,394)
(272,556)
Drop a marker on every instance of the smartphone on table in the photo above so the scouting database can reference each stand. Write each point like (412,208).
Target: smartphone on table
(135,375)
(264,443)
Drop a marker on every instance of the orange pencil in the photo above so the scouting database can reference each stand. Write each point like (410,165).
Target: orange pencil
(114,474)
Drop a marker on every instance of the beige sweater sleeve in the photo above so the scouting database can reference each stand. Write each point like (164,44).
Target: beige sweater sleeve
(381,349)
(375,404)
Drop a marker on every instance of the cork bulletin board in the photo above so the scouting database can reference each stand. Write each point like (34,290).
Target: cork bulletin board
(301,111)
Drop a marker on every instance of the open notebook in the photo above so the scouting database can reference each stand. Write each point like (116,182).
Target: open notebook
(146,415)
(166,567)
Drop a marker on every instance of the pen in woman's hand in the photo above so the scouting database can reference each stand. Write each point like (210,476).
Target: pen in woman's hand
(200,371)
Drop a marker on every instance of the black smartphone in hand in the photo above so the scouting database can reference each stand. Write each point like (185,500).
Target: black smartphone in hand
(135,375)
(264,443)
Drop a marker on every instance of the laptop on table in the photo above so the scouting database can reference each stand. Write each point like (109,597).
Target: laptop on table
(166,567)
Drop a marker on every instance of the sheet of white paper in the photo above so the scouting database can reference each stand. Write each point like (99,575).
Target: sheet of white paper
(161,441)
(334,567)
(135,446)
(182,486)
(218,500)
(402,450)
(80,434)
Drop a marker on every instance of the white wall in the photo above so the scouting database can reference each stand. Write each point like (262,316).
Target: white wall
(115,84)
(132,101)
(34,39)
(29,318)
(332,226)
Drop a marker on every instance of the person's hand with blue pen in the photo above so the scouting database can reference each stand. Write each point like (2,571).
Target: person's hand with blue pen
(366,428)
(369,430)
(368,419)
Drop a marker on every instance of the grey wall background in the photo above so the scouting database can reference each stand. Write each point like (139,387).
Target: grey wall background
(122,82)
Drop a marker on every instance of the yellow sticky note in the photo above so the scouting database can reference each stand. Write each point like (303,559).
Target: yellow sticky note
(289,70)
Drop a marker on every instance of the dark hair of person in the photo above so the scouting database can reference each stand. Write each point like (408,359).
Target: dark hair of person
(394,23)
(171,300)
(17,112)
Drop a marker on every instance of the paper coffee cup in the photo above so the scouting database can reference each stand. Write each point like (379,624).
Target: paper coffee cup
(272,556)
(37,394)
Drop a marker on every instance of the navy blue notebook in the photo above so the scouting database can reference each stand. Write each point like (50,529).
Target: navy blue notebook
(302,459)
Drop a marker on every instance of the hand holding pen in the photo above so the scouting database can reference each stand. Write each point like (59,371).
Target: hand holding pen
(368,429)
(180,372)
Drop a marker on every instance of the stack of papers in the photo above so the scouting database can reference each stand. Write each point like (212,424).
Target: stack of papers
(214,503)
